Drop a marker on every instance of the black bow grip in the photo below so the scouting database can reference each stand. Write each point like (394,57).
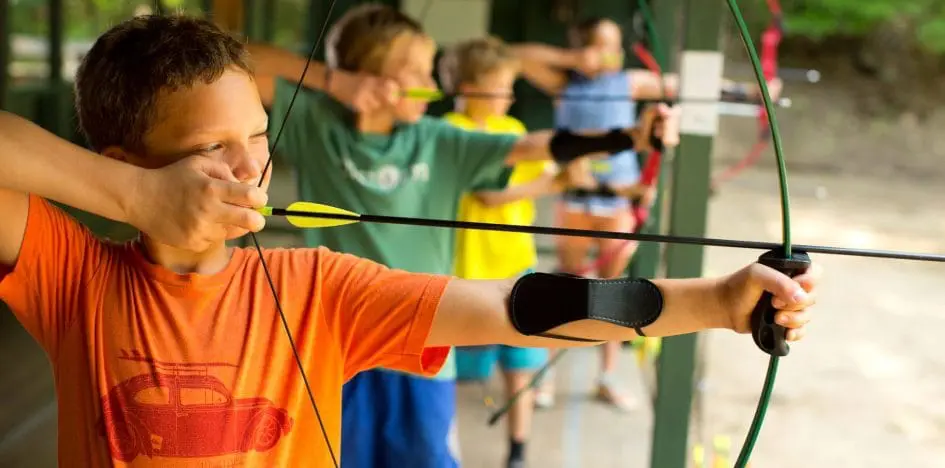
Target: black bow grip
(768,335)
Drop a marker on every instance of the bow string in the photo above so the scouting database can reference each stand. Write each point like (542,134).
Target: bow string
(262,259)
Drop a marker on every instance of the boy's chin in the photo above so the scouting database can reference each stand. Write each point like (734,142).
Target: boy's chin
(411,115)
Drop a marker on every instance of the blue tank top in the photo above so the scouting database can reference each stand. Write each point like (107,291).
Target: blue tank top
(596,115)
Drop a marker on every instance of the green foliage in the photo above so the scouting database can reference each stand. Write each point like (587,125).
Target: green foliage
(821,19)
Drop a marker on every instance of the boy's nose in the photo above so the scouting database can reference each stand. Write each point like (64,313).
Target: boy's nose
(246,168)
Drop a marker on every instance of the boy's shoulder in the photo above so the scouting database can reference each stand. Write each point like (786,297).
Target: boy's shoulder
(495,124)
(295,257)
(457,119)
(510,124)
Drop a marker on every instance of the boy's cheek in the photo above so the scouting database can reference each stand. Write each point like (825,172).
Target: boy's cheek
(411,110)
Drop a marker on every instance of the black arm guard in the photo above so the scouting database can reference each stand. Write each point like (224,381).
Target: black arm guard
(542,301)
(566,146)
(602,191)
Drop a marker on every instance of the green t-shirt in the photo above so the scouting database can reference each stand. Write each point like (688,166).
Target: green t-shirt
(419,170)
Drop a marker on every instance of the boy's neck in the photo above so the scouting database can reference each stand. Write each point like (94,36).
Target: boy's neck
(208,262)
(479,115)
(379,122)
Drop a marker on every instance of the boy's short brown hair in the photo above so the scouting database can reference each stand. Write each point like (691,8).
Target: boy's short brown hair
(469,61)
(361,39)
(120,80)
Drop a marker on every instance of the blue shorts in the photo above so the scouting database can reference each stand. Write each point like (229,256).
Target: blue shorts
(477,362)
(596,205)
(394,420)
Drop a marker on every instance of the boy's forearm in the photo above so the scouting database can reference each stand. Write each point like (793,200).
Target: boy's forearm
(273,62)
(647,85)
(476,313)
(537,188)
(35,161)
(689,305)
(533,146)
(549,55)
(536,146)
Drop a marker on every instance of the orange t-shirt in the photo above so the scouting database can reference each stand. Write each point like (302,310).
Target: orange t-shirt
(157,369)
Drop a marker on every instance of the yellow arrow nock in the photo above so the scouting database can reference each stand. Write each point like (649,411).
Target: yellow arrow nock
(425,94)
(612,59)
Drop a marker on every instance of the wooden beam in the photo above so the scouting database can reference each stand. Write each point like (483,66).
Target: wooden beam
(229,14)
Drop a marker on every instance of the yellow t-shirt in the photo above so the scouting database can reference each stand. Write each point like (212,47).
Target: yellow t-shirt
(497,255)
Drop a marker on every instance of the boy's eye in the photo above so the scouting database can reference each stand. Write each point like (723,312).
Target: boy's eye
(211,148)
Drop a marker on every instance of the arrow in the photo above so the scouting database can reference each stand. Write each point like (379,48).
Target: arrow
(433,94)
(308,215)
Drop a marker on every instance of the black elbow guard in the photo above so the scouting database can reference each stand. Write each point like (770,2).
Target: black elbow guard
(542,301)
(566,146)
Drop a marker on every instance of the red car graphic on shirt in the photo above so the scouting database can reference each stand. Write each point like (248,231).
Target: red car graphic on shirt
(185,415)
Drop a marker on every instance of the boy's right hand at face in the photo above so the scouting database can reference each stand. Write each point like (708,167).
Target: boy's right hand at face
(577,175)
(367,93)
(194,204)
(588,61)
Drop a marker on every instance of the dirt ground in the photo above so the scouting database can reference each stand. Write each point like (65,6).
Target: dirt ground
(866,388)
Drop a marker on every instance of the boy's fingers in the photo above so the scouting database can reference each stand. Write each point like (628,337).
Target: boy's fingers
(390,91)
(786,291)
(796,334)
(239,217)
(811,277)
(794,319)
(215,169)
(241,194)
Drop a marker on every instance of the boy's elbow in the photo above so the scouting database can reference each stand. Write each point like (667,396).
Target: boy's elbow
(529,147)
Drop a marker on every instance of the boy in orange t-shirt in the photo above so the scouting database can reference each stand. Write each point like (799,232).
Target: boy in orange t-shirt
(170,349)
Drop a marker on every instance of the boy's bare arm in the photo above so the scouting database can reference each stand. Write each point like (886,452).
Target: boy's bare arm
(179,204)
(646,85)
(35,161)
(545,66)
(476,312)
(273,62)
(547,184)
(656,123)
(360,92)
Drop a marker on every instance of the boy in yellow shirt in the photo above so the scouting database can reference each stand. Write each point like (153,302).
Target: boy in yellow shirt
(486,69)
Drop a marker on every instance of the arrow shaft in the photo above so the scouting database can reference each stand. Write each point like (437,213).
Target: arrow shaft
(641,237)
(725,99)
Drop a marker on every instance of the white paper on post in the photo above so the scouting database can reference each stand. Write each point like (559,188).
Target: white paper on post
(699,90)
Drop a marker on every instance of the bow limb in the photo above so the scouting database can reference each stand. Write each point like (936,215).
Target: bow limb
(786,251)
